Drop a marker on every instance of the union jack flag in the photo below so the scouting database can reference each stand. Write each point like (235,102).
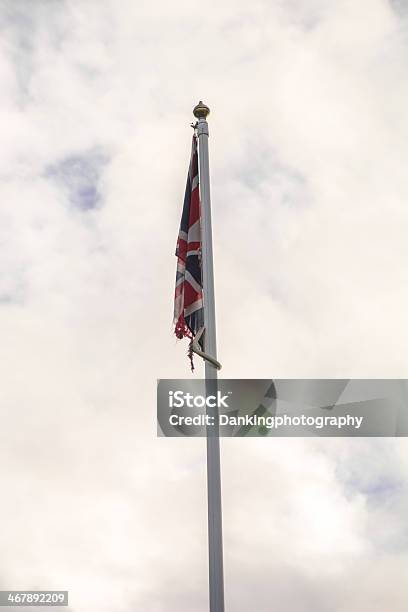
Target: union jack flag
(188,299)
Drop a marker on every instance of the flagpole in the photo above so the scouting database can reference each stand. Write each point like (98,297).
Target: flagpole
(215,552)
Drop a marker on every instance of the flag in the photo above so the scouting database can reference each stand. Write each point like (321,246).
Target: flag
(188,299)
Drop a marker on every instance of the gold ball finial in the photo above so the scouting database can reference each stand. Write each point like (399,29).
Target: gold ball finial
(201,110)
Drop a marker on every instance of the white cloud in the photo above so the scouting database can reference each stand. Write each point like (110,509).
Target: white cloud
(308,141)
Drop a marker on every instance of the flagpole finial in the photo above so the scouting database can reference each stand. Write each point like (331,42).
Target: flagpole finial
(201,110)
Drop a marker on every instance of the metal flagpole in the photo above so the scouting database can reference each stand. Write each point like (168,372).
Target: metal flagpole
(215,558)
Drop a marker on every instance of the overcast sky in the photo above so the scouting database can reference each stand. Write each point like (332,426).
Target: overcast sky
(308,153)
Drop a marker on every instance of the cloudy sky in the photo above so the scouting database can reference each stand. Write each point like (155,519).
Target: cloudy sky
(308,153)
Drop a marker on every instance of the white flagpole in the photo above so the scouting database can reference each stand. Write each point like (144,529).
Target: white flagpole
(215,556)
